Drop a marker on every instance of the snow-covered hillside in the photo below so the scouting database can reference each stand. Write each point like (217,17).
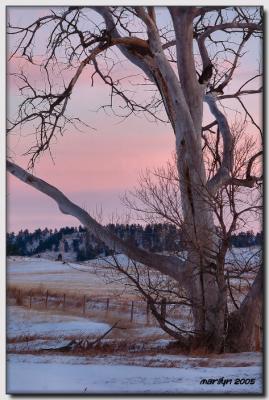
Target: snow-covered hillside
(73,278)
(89,277)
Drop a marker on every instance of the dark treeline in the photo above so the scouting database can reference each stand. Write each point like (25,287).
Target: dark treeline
(246,239)
(155,238)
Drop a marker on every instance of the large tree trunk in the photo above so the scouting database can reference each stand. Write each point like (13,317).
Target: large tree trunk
(207,288)
(245,324)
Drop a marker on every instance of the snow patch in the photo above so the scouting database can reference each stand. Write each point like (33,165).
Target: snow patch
(25,322)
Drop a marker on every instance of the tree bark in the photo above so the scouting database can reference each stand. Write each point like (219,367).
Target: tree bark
(207,289)
(245,325)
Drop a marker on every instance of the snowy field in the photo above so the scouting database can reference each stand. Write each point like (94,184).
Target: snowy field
(24,322)
(38,375)
(87,278)
(31,371)
(145,365)
(37,273)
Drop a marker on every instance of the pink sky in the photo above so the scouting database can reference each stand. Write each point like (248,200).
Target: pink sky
(95,167)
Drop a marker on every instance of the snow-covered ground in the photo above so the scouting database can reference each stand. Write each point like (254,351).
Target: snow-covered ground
(244,253)
(36,374)
(24,322)
(73,278)
(88,278)
(156,371)
(152,369)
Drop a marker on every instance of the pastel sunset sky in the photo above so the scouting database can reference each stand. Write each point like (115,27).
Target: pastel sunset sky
(94,167)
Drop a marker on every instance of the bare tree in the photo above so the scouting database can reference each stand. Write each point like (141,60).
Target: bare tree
(156,200)
(181,82)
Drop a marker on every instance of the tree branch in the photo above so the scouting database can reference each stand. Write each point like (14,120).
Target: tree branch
(230,73)
(168,265)
(183,26)
(206,61)
(170,87)
(250,163)
(203,10)
(240,93)
(231,25)
(209,126)
(248,182)
(223,173)
(131,55)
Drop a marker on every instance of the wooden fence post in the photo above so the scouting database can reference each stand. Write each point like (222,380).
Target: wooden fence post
(84,304)
(107,304)
(163,308)
(132,311)
(19,298)
(30,299)
(258,335)
(46,299)
(148,310)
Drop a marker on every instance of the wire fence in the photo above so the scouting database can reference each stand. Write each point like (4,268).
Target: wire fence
(130,310)
(134,311)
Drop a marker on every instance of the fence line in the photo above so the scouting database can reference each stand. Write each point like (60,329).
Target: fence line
(83,304)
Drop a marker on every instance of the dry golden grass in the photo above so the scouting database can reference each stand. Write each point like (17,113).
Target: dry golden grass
(96,308)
